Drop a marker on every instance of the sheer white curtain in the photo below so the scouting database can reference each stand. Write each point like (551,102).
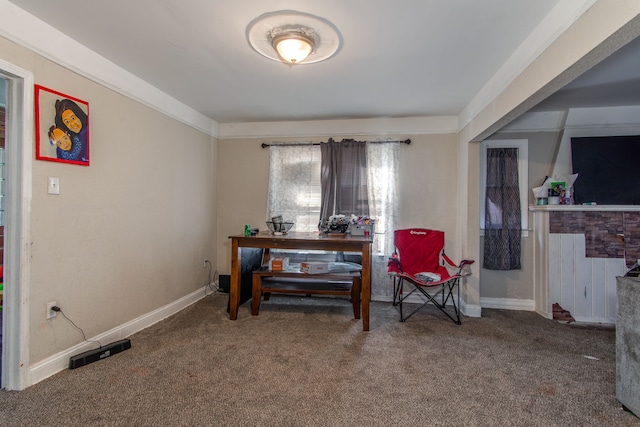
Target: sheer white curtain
(382,170)
(294,185)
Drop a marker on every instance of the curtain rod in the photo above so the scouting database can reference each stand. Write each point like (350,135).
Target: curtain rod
(265,145)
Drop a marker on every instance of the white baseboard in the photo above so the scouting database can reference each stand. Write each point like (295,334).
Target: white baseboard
(469,310)
(382,298)
(529,305)
(60,361)
(508,304)
(595,320)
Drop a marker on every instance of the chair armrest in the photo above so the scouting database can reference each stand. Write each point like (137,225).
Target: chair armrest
(462,268)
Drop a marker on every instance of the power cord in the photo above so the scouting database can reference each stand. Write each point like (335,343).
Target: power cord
(212,285)
(59,310)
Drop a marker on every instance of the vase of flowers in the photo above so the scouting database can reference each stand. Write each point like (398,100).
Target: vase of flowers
(336,224)
(341,224)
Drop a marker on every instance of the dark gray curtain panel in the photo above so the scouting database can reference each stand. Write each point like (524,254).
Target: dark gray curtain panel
(502,227)
(344,178)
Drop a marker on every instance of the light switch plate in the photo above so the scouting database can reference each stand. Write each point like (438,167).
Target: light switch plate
(54,185)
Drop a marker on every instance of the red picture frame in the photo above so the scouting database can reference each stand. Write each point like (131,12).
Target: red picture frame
(62,127)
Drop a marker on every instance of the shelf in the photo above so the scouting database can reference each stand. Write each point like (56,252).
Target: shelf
(587,208)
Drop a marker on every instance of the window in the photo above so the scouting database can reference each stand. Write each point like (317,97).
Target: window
(523,173)
(295,192)
(294,185)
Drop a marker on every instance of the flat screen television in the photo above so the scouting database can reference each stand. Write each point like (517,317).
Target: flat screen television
(608,169)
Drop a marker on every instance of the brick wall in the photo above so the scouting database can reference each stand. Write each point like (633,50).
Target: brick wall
(603,232)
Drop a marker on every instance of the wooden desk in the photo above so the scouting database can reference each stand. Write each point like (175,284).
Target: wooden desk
(300,240)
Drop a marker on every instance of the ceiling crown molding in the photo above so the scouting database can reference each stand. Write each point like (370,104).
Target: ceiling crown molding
(30,32)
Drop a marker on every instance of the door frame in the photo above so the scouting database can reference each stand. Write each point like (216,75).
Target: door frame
(19,146)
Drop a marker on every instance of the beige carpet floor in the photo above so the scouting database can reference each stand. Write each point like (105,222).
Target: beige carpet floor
(304,361)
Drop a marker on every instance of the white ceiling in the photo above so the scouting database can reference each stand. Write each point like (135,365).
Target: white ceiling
(400,58)
(613,82)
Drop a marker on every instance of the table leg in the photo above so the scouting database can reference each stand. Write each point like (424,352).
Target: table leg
(256,294)
(356,291)
(366,285)
(234,285)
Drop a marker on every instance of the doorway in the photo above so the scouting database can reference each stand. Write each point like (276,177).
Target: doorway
(3,105)
(18,161)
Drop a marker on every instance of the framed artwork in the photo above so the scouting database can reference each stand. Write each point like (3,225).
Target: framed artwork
(62,127)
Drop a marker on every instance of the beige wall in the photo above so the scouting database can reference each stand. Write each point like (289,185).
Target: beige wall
(128,234)
(242,176)
(427,181)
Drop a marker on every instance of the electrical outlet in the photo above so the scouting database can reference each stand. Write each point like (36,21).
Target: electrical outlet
(205,263)
(50,313)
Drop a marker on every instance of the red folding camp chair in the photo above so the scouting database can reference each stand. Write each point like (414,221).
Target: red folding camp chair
(420,260)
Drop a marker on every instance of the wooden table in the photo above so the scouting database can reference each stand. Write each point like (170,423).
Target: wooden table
(301,240)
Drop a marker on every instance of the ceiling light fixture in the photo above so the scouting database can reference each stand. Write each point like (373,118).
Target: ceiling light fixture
(293,45)
(293,37)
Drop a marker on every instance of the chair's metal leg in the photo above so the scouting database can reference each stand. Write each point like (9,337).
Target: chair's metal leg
(434,299)
(395,290)
(456,305)
(401,297)
(457,308)
(446,291)
(429,299)
(400,285)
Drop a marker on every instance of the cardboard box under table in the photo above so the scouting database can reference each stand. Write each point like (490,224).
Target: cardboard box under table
(279,264)
(314,267)
(266,282)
